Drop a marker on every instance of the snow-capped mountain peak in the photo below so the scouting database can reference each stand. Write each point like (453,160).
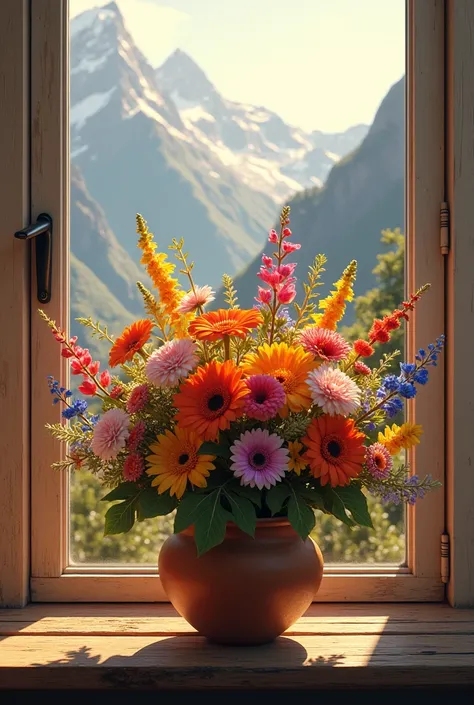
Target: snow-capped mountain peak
(267,153)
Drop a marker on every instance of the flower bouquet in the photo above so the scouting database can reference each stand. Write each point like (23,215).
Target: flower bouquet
(244,422)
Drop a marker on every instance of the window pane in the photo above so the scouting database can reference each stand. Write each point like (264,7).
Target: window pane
(207,129)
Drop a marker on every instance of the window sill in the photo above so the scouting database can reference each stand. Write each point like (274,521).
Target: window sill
(149,647)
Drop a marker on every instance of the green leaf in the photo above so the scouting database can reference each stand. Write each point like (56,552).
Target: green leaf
(276,496)
(211,448)
(301,516)
(120,517)
(355,502)
(123,491)
(334,504)
(251,493)
(210,526)
(243,512)
(312,496)
(190,508)
(151,504)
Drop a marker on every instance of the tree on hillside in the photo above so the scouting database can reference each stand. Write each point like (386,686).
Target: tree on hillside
(386,296)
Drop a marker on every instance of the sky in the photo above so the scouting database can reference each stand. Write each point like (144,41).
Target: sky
(319,64)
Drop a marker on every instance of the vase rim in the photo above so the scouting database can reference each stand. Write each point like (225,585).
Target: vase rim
(265,523)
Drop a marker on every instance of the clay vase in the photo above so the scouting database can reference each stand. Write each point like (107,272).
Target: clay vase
(246,590)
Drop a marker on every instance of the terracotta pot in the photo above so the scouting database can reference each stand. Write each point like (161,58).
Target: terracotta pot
(244,591)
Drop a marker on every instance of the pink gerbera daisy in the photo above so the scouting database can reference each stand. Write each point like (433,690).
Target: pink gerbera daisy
(378,461)
(110,434)
(325,344)
(265,397)
(133,467)
(197,298)
(137,434)
(138,399)
(333,390)
(258,458)
(170,363)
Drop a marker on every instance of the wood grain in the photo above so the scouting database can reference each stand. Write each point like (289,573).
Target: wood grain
(14,311)
(148,646)
(460,293)
(346,587)
(49,194)
(425,264)
(189,662)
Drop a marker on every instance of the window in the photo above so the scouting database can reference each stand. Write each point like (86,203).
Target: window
(52,576)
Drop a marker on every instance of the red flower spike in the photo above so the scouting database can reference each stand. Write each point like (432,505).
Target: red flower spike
(363,349)
(88,388)
(94,368)
(116,391)
(105,378)
(76,367)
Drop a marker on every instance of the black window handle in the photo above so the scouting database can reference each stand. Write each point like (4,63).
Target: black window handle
(42,230)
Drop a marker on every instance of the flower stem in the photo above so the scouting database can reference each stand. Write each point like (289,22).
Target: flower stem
(226,347)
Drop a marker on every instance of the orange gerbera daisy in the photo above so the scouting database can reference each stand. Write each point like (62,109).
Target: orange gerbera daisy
(211,399)
(215,325)
(175,460)
(290,366)
(131,341)
(335,449)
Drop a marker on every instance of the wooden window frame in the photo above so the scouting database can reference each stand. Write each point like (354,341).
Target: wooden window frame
(50,577)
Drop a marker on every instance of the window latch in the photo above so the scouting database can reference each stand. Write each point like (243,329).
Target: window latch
(42,231)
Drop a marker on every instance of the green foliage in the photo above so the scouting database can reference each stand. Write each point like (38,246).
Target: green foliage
(300,514)
(386,296)
(139,503)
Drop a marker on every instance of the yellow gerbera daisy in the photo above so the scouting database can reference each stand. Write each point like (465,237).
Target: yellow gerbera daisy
(175,460)
(296,462)
(405,436)
(290,366)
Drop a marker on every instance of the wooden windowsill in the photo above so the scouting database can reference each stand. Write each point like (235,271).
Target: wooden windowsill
(148,646)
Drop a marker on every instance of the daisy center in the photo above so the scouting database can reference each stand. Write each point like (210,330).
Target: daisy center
(183,458)
(380,461)
(261,398)
(286,378)
(132,345)
(258,459)
(332,448)
(216,402)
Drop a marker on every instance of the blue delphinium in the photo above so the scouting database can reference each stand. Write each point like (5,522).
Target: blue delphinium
(77,408)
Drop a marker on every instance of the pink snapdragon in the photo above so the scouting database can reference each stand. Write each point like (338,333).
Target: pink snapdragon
(273,237)
(286,270)
(267,261)
(264,295)
(288,247)
(286,232)
(287,293)
(272,277)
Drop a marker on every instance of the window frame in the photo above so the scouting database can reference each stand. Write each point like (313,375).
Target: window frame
(51,577)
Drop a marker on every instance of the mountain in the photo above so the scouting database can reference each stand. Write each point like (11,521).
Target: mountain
(94,244)
(103,276)
(363,194)
(136,155)
(267,154)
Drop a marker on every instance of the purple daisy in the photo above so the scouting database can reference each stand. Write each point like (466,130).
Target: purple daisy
(265,397)
(258,458)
